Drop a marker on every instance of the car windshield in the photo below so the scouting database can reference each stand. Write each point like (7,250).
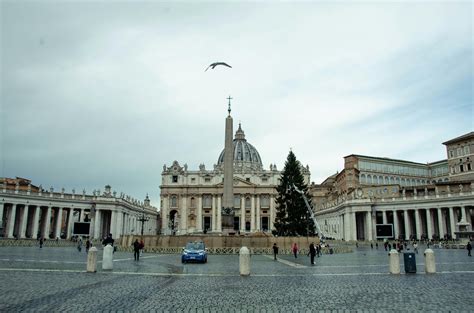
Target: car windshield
(195,246)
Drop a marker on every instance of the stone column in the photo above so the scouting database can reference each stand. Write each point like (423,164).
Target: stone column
(369,228)
(219,213)
(463,214)
(258,228)
(347,227)
(384,217)
(2,209)
(353,225)
(429,222)
(395,224)
(165,216)
(418,224)
(23,222)
(441,223)
(59,222)
(406,220)
(184,215)
(214,213)
(119,225)
(272,211)
(47,222)
(252,214)
(113,224)
(34,234)
(70,223)
(11,221)
(451,222)
(242,214)
(199,215)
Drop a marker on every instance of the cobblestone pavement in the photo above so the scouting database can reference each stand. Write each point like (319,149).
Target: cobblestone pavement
(54,280)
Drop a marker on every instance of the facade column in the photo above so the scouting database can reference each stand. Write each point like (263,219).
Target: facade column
(219,213)
(463,215)
(214,213)
(252,214)
(70,224)
(384,217)
(353,225)
(258,228)
(272,212)
(47,222)
(2,209)
(59,223)
(34,234)
(119,225)
(369,225)
(407,224)
(11,221)
(242,213)
(441,224)
(429,222)
(164,216)
(395,224)
(417,224)
(113,223)
(199,217)
(451,222)
(23,222)
(184,215)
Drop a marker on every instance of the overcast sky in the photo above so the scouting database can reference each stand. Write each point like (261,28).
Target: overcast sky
(96,92)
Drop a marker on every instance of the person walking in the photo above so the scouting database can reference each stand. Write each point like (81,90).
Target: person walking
(41,241)
(295,250)
(275,251)
(415,247)
(469,248)
(79,244)
(88,245)
(136,250)
(142,246)
(312,252)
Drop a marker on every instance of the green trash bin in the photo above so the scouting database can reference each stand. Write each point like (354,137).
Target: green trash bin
(409,262)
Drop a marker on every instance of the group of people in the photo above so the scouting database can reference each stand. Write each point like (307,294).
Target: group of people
(314,250)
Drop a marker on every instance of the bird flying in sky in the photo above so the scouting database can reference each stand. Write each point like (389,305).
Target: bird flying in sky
(217,63)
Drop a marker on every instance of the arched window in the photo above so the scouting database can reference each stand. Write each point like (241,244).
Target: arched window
(362,179)
(369,179)
(174,201)
(193,202)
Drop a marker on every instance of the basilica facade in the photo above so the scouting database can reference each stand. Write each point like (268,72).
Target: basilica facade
(191,200)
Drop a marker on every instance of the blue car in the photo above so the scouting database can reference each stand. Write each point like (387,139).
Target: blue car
(194,252)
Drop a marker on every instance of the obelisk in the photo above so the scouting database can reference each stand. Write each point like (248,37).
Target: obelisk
(228,198)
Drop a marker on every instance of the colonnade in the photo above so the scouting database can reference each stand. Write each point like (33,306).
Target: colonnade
(408,223)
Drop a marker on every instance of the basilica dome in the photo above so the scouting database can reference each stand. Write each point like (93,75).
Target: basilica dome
(245,155)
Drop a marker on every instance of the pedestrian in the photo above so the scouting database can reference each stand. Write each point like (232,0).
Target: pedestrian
(294,248)
(136,250)
(469,248)
(376,245)
(415,247)
(142,246)
(79,244)
(88,245)
(41,241)
(275,251)
(385,245)
(371,245)
(312,252)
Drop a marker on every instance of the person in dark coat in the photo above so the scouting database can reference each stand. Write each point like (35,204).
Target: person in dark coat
(136,250)
(469,248)
(312,252)
(275,251)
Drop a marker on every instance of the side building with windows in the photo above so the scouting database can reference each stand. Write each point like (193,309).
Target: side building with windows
(191,201)
(419,201)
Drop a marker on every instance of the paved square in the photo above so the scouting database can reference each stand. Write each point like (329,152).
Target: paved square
(54,279)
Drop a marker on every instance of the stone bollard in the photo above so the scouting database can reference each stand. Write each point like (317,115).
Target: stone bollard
(394,262)
(107,258)
(430,265)
(92,260)
(244,261)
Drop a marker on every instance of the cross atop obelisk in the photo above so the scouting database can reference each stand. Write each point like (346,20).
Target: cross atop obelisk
(229,98)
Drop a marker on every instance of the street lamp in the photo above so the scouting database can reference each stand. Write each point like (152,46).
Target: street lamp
(142,218)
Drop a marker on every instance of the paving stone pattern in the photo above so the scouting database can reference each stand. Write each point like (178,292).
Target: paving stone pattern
(54,280)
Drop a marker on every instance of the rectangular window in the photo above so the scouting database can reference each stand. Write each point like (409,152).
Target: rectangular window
(451,153)
(175,178)
(237,201)
(468,166)
(459,151)
(264,180)
(461,168)
(247,179)
(207,180)
(265,201)
(207,201)
(193,180)
(466,150)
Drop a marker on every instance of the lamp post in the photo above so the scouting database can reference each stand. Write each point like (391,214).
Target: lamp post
(142,218)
